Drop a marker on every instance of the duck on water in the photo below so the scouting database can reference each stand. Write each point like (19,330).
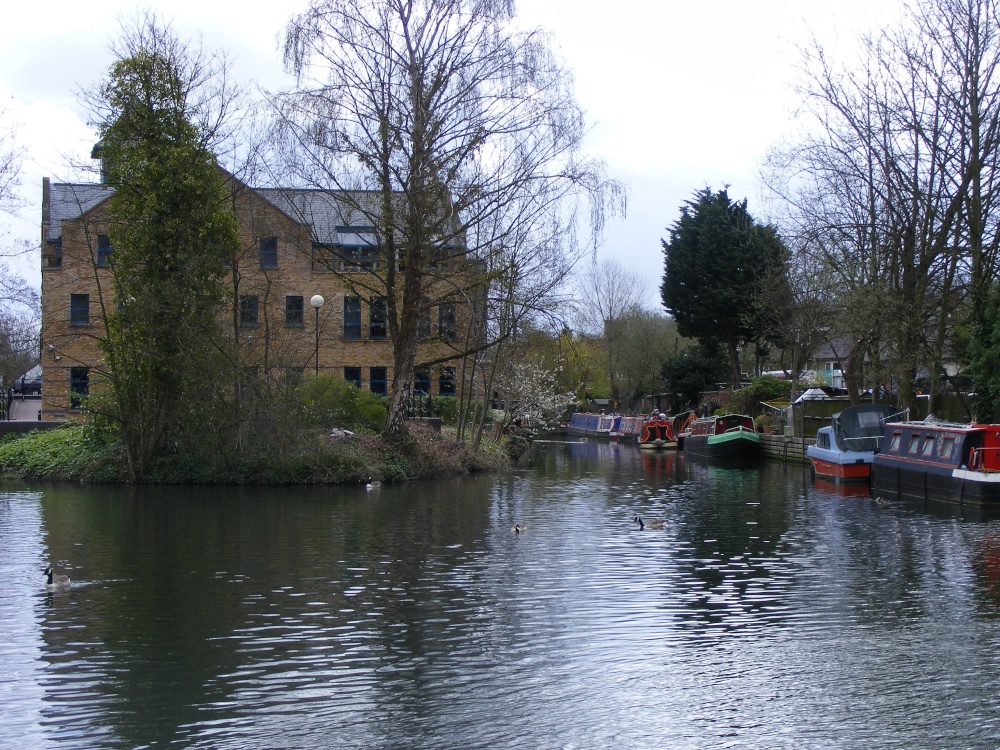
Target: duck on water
(54,582)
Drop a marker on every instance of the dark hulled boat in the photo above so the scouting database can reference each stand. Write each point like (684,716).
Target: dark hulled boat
(724,436)
(939,462)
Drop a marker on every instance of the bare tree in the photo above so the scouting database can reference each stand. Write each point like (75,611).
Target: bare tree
(608,293)
(894,192)
(19,302)
(434,117)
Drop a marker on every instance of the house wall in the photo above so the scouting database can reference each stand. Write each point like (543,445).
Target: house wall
(272,345)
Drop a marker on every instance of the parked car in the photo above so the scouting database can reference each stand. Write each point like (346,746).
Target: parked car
(29,384)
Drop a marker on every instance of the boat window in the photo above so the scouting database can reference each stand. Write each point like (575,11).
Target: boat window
(822,440)
(894,443)
(914,444)
(928,447)
(947,447)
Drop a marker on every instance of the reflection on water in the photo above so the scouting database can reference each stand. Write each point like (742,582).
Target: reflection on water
(768,612)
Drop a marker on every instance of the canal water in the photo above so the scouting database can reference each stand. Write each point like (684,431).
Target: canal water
(767,612)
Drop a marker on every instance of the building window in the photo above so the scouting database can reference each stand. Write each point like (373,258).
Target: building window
(352,318)
(322,259)
(424,325)
(248,309)
(422,382)
(103,250)
(268,249)
(377,320)
(79,386)
(52,256)
(377,380)
(293,310)
(79,309)
(446,382)
(353,376)
(446,321)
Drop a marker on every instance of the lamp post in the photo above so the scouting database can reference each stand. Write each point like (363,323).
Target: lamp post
(317,302)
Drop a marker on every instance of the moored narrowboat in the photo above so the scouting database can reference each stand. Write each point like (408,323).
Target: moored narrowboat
(724,436)
(844,450)
(939,462)
(658,434)
(627,427)
(591,425)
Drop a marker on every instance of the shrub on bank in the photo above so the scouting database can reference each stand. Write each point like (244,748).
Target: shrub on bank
(70,453)
(78,453)
(329,401)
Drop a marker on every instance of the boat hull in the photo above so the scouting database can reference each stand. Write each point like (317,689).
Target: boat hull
(659,445)
(896,480)
(838,472)
(841,466)
(742,444)
(939,463)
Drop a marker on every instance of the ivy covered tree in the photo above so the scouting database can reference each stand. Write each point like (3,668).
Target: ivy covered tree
(170,232)
(716,260)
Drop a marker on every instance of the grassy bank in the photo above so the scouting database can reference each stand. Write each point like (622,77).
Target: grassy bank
(78,454)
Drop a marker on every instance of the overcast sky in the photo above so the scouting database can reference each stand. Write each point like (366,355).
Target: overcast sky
(680,95)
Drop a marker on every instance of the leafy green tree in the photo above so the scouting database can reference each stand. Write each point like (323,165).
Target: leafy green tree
(716,260)
(170,232)
(692,371)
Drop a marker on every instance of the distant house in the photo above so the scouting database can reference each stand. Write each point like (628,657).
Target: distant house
(295,244)
(828,361)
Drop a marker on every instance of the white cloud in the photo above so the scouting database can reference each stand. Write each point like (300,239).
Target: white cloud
(683,94)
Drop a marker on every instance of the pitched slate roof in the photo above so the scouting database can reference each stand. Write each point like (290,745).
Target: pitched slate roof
(68,201)
(323,211)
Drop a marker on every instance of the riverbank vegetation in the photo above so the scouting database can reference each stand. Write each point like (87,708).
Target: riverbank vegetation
(317,456)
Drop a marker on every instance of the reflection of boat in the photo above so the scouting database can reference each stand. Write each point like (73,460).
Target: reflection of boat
(846,489)
(725,436)
(844,450)
(658,434)
(591,425)
(939,462)
(662,462)
(627,427)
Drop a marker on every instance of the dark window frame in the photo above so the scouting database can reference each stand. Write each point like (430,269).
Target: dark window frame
(421,381)
(295,310)
(267,251)
(79,386)
(378,380)
(447,321)
(352,318)
(79,309)
(104,250)
(353,375)
(378,319)
(446,382)
(249,310)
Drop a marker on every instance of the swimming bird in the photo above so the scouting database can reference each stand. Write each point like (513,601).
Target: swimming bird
(879,500)
(653,523)
(373,484)
(519,528)
(54,582)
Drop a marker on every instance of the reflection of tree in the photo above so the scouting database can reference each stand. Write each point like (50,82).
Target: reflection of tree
(205,604)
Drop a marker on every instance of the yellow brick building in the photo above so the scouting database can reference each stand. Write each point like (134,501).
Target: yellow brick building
(296,246)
